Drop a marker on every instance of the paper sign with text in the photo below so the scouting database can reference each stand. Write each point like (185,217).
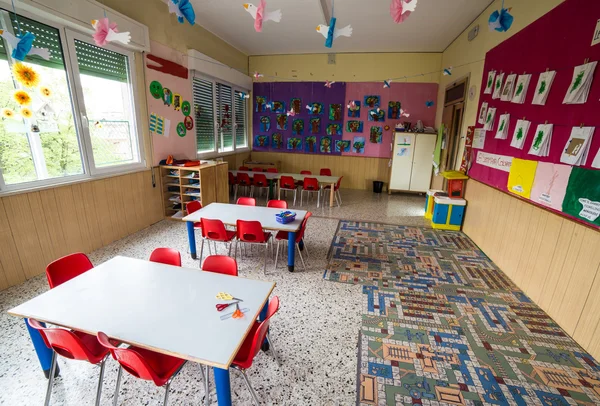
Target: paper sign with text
(500,162)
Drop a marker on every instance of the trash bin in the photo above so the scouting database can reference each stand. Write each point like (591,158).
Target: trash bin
(377,186)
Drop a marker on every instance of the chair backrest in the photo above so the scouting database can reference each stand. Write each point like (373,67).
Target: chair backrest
(263,328)
(260,180)
(250,231)
(130,360)
(243,168)
(305,173)
(310,184)
(220,264)
(256,169)
(337,184)
(167,256)
(243,179)
(277,204)
(193,206)
(64,342)
(300,235)
(287,182)
(232,178)
(66,268)
(272,170)
(325,172)
(213,229)
(246,201)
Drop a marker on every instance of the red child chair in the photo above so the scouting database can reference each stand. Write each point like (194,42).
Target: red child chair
(244,168)
(325,172)
(251,232)
(66,268)
(246,201)
(220,264)
(287,183)
(283,236)
(277,204)
(257,169)
(232,182)
(310,185)
(272,170)
(214,230)
(336,190)
(245,182)
(260,182)
(167,256)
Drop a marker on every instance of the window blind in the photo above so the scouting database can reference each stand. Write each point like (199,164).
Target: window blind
(240,105)
(225,114)
(203,102)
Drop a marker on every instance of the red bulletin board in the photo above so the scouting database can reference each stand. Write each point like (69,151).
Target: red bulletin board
(559,41)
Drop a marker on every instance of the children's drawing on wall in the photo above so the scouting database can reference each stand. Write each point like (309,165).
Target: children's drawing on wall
(342,146)
(354,109)
(177,102)
(278,107)
(372,101)
(334,129)
(315,125)
(296,105)
(167,97)
(261,141)
(156,89)
(298,127)
(186,108)
(265,123)
(354,126)
(294,144)
(325,145)
(376,134)
(358,145)
(314,108)
(377,115)
(394,110)
(282,121)
(310,144)
(277,141)
(261,104)
(335,112)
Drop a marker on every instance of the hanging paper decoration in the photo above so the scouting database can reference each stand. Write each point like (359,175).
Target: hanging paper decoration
(167,97)
(45,92)
(8,113)
(354,108)
(23,46)
(108,32)
(315,108)
(260,15)
(269,106)
(244,95)
(184,10)
(387,83)
(330,32)
(328,84)
(25,75)
(257,75)
(501,20)
(291,113)
(448,71)
(22,97)
(26,113)
(403,113)
(401,9)
(429,103)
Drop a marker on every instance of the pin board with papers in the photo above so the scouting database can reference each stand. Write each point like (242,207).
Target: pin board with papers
(542,89)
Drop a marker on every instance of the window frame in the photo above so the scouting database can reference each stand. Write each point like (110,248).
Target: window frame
(67,36)
(218,141)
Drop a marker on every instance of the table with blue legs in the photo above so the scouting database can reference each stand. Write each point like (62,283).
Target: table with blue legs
(229,214)
(163,308)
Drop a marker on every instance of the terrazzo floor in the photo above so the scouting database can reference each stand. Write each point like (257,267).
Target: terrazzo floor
(315,331)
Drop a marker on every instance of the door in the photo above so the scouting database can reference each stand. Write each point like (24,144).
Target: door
(402,159)
(454,139)
(422,162)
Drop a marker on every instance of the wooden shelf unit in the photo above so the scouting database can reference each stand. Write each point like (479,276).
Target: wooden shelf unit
(207,183)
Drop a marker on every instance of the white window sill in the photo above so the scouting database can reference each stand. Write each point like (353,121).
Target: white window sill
(213,155)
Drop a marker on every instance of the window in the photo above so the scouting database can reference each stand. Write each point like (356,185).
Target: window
(221,117)
(80,121)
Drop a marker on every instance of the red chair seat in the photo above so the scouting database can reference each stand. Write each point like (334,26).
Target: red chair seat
(281,235)
(230,236)
(164,366)
(245,355)
(96,350)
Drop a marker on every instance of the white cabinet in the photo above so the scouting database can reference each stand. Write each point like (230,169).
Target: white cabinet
(411,162)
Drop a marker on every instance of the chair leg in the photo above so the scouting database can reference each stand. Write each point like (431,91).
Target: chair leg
(229,252)
(118,385)
(318,197)
(301,197)
(235,193)
(206,392)
(295,192)
(266,255)
(167,387)
(301,258)
(100,380)
(306,249)
(340,196)
(273,349)
(237,242)
(51,379)
(277,254)
(250,387)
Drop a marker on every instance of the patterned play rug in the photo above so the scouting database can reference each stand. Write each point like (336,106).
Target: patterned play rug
(442,325)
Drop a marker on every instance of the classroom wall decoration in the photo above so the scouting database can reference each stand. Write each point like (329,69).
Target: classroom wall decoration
(546,81)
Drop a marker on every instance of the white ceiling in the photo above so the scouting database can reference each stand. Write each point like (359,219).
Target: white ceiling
(431,28)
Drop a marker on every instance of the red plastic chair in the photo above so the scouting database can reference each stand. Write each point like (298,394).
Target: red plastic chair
(310,185)
(66,268)
(277,204)
(243,168)
(252,345)
(72,345)
(144,364)
(251,232)
(192,207)
(214,230)
(245,182)
(325,172)
(260,182)
(336,190)
(257,169)
(283,236)
(220,264)
(246,201)
(167,256)
(272,170)
(305,173)
(287,183)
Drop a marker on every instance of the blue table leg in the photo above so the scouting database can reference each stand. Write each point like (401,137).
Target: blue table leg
(191,238)
(44,353)
(291,250)
(223,386)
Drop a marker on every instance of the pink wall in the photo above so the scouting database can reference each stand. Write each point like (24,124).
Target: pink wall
(412,96)
(173,144)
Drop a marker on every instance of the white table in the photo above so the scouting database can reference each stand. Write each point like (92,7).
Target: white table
(163,308)
(323,180)
(229,214)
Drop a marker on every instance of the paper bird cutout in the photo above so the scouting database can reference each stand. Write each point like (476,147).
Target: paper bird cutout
(387,83)
(260,15)
(401,9)
(448,71)
(168,67)
(429,103)
(291,113)
(328,84)
(257,75)
(244,95)
(403,113)
(309,108)
(107,32)
(501,20)
(330,32)
(183,9)
(23,46)
(351,105)
(269,106)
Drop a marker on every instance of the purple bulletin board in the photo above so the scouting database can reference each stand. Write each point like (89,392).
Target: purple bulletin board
(314,138)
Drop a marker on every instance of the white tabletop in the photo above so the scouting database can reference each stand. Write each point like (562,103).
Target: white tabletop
(160,307)
(229,214)
(296,176)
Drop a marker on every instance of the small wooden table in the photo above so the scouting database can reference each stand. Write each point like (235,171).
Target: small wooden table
(163,308)
(229,214)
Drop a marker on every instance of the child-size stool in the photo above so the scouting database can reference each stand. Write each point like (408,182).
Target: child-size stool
(456,183)
(448,213)
(429,203)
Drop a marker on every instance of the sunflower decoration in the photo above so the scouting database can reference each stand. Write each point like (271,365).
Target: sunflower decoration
(22,97)
(26,113)
(45,92)
(26,75)
(8,113)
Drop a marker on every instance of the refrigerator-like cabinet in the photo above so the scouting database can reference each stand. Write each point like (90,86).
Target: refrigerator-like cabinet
(412,157)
